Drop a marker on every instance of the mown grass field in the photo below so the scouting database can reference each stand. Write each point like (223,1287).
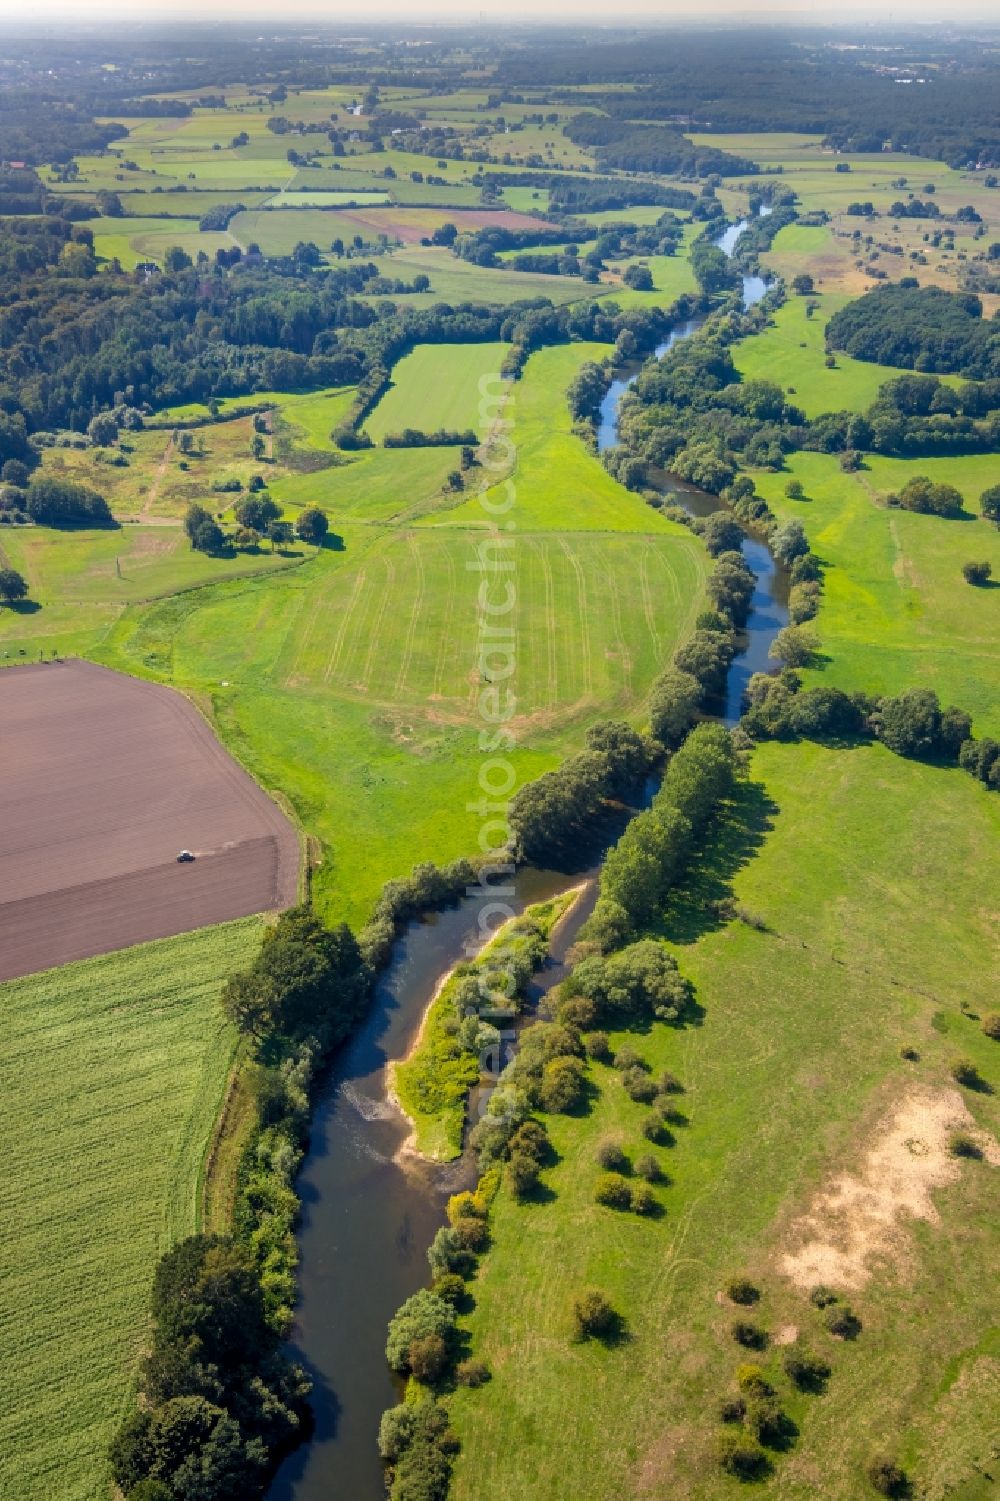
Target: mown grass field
(872,877)
(79,582)
(438,386)
(896,612)
(114,1074)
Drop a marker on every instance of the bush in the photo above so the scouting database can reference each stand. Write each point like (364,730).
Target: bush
(766,1421)
(599,1048)
(593,1315)
(751,1380)
(977,574)
(750,1336)
(427,1358)
(843,1322)
(523,1174)
(742,1290)
(741,1455)
(613,1191)
(965,1072)
(806,1371)
(639,1086)
(823,1296)
(472,1372)
(611,1156)
(450,1287)
(732,1409)
(422,1314)
(961,1144)
(649,1168)
(991,1025)
(886,1477)
(642,1200)
(563,1085)
(655,1129)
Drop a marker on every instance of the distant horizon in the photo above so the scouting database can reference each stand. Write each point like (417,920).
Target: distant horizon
(708,13)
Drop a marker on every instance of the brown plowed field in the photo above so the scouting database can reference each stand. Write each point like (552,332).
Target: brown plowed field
(103,780)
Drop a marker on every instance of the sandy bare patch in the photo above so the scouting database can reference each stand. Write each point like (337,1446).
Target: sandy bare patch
(855,1223)
(786,1335)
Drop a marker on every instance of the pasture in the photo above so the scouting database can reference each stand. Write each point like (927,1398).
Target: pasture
(114,1074)
(869,878)
(106,779)
(792,352)
(454,280)
(896,612)
(438,386)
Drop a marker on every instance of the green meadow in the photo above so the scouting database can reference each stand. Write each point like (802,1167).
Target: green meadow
(438,386)
(115,1069)
(868,881)
(896,611)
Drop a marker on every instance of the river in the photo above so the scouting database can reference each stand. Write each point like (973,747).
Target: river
(366,1220)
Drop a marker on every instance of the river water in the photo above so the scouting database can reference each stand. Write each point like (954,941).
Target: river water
(367,1220)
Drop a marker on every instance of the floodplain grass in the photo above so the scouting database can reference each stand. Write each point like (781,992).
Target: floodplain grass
(792,353)
(896,612)
(115,1070)
(438,386)
(453,280)
(432,1084)
(560,485)
(871,879)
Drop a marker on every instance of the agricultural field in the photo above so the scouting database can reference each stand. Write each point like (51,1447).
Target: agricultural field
(867,878)
(114,1073)
(896,612)
(107,779)
(438,386)
(453,280)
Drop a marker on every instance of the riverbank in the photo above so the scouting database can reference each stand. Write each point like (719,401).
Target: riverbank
(430,1086)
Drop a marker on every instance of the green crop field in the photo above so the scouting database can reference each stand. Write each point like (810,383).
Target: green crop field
(114,1073)
(871,879)
(896,612)
(438,386)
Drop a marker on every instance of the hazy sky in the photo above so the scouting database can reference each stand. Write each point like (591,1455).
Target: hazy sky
(496,11)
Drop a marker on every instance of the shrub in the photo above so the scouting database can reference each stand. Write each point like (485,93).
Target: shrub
(886,1477)
(627,1057)
(593,1315)
(977,574)
(649,1168)
(427,1358)
(669,1083)
(794,489)
(741,1455)
(806,1371)
(961,1144)
(613,1191)
(449,1286)
(843,1322)
(823,1296)
(765,1420)
(531,1139)
(472,1372)
(750,1336)
(642,1199)
(655,1129)
(639,1086)
(991,1025)
(751,1380)
(563,1085)
(472,1234)
(523,1173)
(910,1054)
(611,1155)
(965,1072)
(422,1314)
(598,1047)
(742,1290)
(732,1409)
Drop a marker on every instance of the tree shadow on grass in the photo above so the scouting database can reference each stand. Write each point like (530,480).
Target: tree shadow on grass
(705,900)
(21,606)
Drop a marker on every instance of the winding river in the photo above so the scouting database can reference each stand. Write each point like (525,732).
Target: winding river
(368,1214)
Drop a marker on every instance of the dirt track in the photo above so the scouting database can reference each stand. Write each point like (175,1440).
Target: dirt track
(103,779)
